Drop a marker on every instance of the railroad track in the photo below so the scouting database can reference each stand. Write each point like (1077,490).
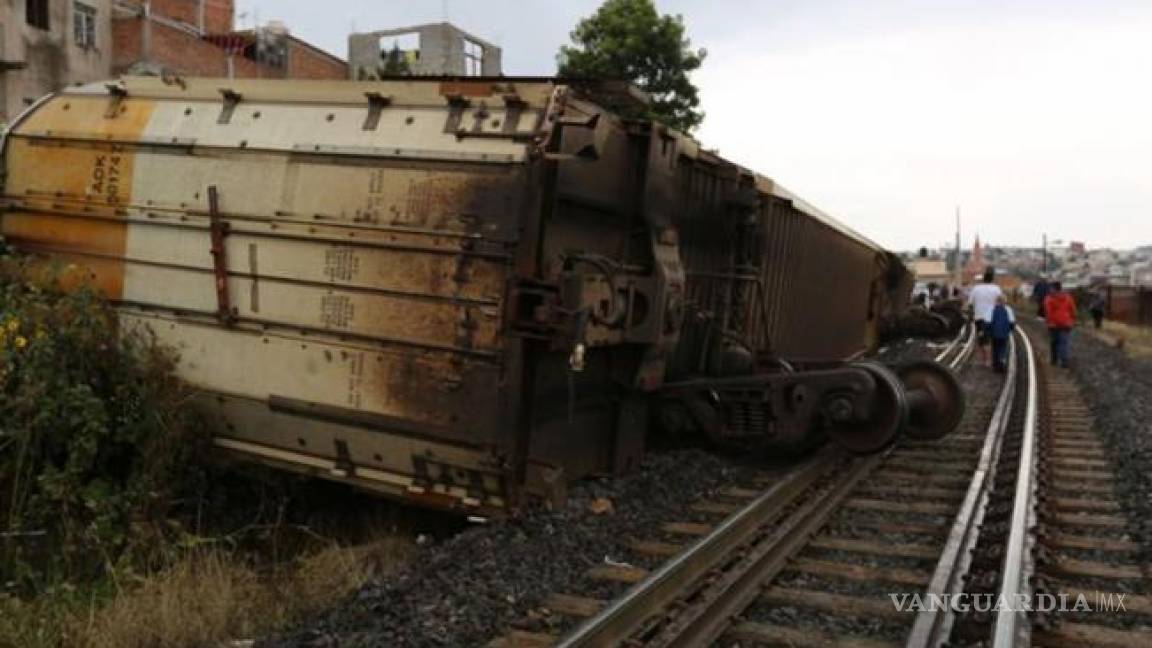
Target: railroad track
(810,548)
(1058,535)
(761,532)
(1017,503)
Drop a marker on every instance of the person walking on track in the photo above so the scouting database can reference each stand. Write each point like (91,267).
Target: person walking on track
(982,299)
(1000,329)
(1060,315)
(1039,294)
(1096,307)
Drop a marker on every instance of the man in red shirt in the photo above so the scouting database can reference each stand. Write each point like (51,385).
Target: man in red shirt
(1060,315)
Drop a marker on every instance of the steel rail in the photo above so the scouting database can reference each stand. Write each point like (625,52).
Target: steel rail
(952,346)
(1012,627)
(627,614)
(712,609)
(965,350)
(934,623)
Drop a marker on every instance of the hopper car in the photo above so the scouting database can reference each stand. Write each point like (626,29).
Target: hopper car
(462,292)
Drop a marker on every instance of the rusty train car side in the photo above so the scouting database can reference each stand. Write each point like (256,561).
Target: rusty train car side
(456,292)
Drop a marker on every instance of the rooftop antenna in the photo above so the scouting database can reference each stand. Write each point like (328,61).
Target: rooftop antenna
(958,278)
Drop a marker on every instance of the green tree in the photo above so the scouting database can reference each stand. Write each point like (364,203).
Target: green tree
(395,63)
(629,40)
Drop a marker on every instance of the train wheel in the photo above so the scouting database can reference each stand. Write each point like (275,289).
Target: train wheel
(935,399)
(890,414)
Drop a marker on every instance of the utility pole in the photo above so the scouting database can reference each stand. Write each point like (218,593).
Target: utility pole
(1044,254)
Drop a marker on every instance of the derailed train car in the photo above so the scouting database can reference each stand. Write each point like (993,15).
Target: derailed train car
(461,292)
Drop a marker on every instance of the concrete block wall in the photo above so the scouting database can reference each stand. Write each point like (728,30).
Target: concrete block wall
(441,51)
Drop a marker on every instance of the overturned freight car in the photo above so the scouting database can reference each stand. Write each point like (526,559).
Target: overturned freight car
(460,292)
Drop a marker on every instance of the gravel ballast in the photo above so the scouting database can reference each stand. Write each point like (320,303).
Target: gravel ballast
(468,589)
(1118,388)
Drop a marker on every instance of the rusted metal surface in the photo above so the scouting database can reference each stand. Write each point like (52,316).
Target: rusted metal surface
(218,229)
(460,292)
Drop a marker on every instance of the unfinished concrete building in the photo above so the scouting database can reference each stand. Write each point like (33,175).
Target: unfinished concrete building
(434,49)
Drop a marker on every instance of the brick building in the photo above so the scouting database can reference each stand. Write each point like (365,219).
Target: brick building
(198,38)
(47,44)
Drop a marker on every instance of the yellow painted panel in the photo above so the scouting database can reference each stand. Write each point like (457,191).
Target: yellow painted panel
(83,178)
(97,246)
(71,115)
(98,176)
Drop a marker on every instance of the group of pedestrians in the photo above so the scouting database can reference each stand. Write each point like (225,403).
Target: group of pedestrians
(995,320)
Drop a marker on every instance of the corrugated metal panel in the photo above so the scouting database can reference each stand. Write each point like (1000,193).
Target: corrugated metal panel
(362,288)
(818,284)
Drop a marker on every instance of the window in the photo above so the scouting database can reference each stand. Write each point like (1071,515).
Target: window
(36,13)
(84,24)
(473,58)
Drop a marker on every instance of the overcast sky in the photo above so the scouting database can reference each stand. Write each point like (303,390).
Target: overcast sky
(1033,115)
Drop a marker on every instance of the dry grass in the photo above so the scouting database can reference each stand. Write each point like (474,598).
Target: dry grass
(208,599)
(36,623)
(1136,341)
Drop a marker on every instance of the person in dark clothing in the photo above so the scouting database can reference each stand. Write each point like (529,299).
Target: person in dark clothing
(1096,307)
(1000,329)
(1060,315)
(1039,293)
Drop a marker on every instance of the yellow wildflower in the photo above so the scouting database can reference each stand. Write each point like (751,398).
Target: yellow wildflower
(20,342)
(13,325)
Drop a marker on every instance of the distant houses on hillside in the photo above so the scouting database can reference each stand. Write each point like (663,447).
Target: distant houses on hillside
(1074,264)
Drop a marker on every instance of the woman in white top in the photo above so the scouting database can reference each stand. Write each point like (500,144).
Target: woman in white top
(982,299)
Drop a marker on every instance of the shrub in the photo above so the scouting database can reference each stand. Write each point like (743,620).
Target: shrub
(96,439)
